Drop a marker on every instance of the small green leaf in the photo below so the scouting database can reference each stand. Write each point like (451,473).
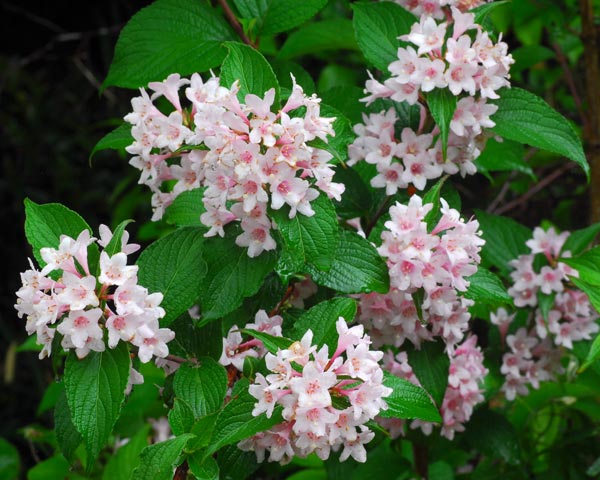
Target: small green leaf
(545,303)
(431,365)
(202,386)
(95,388)
(203,468)
(311,239)
(44,225)
(158,461)
(587,265)
(504,240)
(232,276)
(254,73)
(377,27)
(122,463)
(408,401)
(114,246)
(55,467)
(181,417)
(10,463)
(182,36)
(334,34)
(271,342)
(173,265)
(186,209)
(442,105)
(117,139)
(579,240)
(356,268)
(524,117)
(486,287)
(275,16)
(236,422)
(482,12)
(592,356)
(433,196)
(321,319)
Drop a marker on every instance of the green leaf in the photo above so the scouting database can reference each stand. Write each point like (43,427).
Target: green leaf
(492,434)
(504,240)
(487,288)
(433,196)
(203,468)
(284,70)
(95,387)
(271,342)
(235,464)
(10,463)
(114,246)
(312,239)
(117,139)
(202,386)
(587,264)
(505,156)
(254,73)
(334,34)
(408,401)
(173,265)
(232,276)
(545,303)
(277,16)
(159,460)
(122,463)
(346,99)
(194,341)
(431,365)
(592,291)
(186,209)
(377,27)
(203,429)
(67,436)
(236,422)
(356,268)
(524,117)
(321,319)
(579,240)
(44,225)
(357,199)
(442,105)
(181,417)
(182,36)
(53,468)
(482,12)
(592,356)
(344,135)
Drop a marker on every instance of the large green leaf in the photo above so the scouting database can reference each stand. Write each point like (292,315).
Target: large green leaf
(254,73)
(232,276)
(202,386)
(67,436)
(377,27)
(494,435)
(334,34)
(592,356)
(487,288)
(236,422)
(275,16)
(505,156)
(95,387)
(186,208)
(356,268)
(581,239)
(182,36)
(312,239)
(321,319)
(431,364)
(504,239)
(442,105)
(121,464)
(9,461)
(159,460)
(174,265)
(526,118)
(408,401)
(587,265)
(44,224)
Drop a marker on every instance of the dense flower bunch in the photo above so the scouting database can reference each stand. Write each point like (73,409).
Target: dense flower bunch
(571,317)
(246,156)
(476,67)
(235,349)
(305,382)
(435,263)
(80,305)
(435,8)
(462,394)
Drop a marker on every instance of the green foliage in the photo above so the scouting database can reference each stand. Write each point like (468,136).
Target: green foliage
(442,105)
(203,386)
(159,460)
(117,139)
(431,364)
(408,401)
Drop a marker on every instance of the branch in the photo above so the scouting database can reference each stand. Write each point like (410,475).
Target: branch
(235,23)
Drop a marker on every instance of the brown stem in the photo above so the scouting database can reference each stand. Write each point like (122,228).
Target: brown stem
(591,121)
(176,359)
(181,472)
(286,296)
(420,455)
(564,63)
(235,23)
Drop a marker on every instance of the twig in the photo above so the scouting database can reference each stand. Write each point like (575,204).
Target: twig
(286,296)
(570,80)
(176,359)
(235,23)
(382,209)
(543,183)
(501,194)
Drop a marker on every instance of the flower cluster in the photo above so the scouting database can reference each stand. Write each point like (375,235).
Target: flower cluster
(307,383)
(462,394)
(477,67)
(434,263)
(435,8)
(533,355)
(80,305)
(235,349)
(245,156)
